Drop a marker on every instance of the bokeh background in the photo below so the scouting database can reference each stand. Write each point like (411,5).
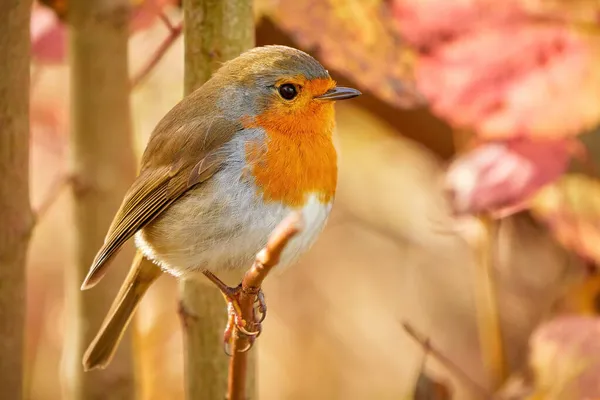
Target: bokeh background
(441,79)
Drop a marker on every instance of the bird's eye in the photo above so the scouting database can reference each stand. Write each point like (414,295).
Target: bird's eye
(287,91)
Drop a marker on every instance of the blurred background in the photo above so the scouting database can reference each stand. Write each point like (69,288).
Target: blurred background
(470,108)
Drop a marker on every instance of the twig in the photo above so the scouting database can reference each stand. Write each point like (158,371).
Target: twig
(56,189)
(445,361)
(167,21)
(174,33)
(265,260)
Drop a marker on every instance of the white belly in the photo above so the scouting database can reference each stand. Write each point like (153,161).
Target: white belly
(226,239)
(315,215)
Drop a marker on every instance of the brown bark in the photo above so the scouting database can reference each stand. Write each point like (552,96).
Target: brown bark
(214,31)
(102,167)
(15,212)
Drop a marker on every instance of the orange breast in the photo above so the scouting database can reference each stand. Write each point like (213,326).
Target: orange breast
(298,157)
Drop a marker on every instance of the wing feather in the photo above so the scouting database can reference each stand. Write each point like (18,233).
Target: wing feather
(158,186)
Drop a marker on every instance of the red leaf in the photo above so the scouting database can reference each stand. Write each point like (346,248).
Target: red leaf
(499,70)
(500,175)
(48,36)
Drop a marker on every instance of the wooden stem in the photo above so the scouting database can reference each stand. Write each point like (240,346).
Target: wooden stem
(103,165)
(214,31)
(16,217)
(488,318)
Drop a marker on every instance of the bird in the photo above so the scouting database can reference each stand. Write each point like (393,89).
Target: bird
(220,171)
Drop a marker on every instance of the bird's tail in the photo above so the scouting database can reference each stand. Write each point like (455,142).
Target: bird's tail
(141,275)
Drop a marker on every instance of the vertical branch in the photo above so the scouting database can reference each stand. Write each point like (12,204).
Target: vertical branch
(214,31)
(488,318)
(103,167)
(15,212)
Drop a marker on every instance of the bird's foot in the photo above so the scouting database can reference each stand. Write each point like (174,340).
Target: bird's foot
(235,320)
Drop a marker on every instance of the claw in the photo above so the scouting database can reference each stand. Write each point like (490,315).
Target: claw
(227,348)
(246,332)
(262,306)
(235,319)
(248,347)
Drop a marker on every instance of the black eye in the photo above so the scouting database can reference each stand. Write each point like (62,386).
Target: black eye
(287,91)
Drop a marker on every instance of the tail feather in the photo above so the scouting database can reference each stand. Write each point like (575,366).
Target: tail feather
(141,276)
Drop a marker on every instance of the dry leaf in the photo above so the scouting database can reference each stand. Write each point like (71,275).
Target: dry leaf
(565,358)
(357,38)
(507,69)
(571,209)
(498,176)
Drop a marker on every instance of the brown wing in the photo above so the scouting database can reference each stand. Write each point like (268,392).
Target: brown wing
(185,155)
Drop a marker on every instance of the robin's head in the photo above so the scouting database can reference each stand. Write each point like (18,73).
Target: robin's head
(278,87)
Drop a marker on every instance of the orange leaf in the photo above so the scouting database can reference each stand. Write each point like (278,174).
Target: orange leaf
(571,209)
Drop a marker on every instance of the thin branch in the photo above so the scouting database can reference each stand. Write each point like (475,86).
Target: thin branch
(174,33)
(167,21)
(56,189)
(265,260)
(445,361)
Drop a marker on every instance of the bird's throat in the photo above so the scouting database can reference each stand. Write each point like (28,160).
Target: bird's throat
(289,168)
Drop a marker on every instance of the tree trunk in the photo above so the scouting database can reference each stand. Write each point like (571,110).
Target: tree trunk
(215,31)
(103,167)
(15,212)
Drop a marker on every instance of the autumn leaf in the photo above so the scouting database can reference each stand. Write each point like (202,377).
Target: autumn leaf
(497,177)
(505,69)
(571,209)
(357,38)
(565,358)
(48,36)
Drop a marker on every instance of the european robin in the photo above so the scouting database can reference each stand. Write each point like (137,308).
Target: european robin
(220,171)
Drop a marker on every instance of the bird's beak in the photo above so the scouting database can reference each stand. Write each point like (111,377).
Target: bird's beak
(339,93)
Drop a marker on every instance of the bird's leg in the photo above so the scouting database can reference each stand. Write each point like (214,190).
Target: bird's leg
(234,311)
